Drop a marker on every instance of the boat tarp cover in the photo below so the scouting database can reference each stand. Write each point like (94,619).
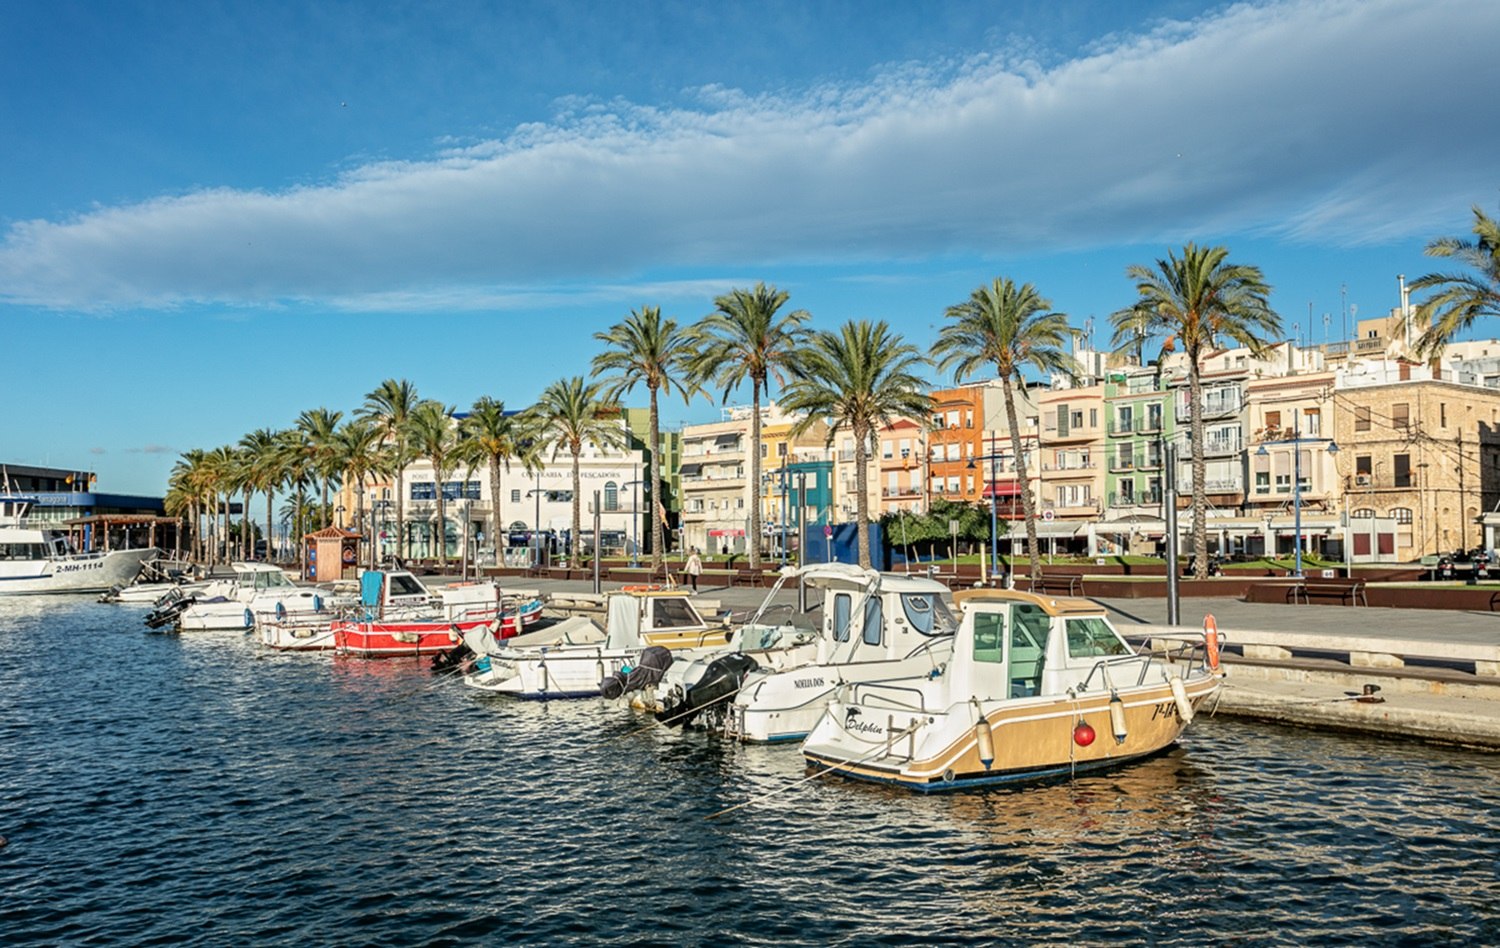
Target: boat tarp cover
(481,641)
(369,588)
(623,624)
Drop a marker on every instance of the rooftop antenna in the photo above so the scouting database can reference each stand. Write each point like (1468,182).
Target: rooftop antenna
(1344,310)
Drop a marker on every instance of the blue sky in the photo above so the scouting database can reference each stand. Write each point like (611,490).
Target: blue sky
(217,215)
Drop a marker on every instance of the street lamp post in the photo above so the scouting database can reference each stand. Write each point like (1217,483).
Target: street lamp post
(536,529)
(339,512)
(635,514)
(1296,442)
(994,458)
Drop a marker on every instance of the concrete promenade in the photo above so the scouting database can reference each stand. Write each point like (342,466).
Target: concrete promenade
(1438,671)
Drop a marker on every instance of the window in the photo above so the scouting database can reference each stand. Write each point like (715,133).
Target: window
(1312,422)
(1362,513)
(1126,418)
(673,614)
(781,449)
(989,646)
(611,495)
(1361,417)
(841,606)
(1401,415)
(1093,638)
(1262,482)
(1093,417)
(1401,514)
(1028,648)
(423,490)
(765,450)
(515,496)
(1362,470)
(1442,414)
(1273,420)
(1402,470)
(927,614)
(874,626)
(1075,419)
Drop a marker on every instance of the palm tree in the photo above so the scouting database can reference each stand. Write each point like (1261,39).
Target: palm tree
(219,486)
(745,340)
(358,452)
(294,464)
(390,405)
(265,474)
(492,437)
(1461,298)
(321,426)
(645,348)
(1198,301)
(860,378)
(1010,327)
(185,489)
(570,413)
(430,432)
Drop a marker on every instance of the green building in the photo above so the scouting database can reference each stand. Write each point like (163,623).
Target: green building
(1139,423)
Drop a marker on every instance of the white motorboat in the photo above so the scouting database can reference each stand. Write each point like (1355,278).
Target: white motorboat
(256,588)
(37,560)
(577,655)
(875,627)
(1037,687)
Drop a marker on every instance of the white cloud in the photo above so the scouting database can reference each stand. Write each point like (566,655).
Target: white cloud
(1341,121)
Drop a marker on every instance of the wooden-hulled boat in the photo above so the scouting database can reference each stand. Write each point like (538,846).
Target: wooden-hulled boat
(1037,687)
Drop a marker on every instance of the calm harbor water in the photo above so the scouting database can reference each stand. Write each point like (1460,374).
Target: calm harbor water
(159,790)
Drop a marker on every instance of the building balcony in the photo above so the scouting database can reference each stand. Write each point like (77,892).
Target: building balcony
(1070,506)
(1079,466)
(1144,424)
(1150,498)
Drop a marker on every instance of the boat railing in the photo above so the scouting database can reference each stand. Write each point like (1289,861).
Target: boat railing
(1104,665)
(1186,650)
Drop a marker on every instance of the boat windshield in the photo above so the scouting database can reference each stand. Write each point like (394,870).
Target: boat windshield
(271,579)
(1094,638)
(927,614)
(669,613)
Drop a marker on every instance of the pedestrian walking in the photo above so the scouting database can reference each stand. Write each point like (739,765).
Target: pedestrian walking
(693,568)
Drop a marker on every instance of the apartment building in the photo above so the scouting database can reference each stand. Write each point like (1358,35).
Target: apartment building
(1073,426)
(902,467)
(1423,452)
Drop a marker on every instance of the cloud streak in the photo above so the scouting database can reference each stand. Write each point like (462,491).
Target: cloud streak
(1334,121)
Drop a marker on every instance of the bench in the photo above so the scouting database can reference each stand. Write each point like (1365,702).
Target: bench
(1350,590)
(1072,583)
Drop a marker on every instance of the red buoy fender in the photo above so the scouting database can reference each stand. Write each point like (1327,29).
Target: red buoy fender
(1211,641)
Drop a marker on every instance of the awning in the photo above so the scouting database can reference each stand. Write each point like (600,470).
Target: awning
(726,533)
(690,470)
(1051,529)
(726,439)
(1001,489)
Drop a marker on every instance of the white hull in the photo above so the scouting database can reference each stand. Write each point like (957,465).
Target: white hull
(78,573)
(566,671)
(786,705)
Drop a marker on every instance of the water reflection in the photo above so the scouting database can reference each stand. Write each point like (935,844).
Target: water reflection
(153,786)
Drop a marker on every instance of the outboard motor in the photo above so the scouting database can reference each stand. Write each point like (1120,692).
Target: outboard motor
(652,664)
(721,681)
(167,613)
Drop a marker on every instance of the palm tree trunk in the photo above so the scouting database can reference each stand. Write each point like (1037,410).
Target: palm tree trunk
(1028,506)
(247,544)
(270,524)
(653,477)
(753,488)
(861,500)
(1200,472)
(323,520)
(495,508)
(577,512)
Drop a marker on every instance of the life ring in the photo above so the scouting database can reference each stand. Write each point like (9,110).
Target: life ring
(348,556)
(646,587)
(1211,641)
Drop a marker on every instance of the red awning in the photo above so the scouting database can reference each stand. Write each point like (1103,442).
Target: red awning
(726,533)
(1001,489)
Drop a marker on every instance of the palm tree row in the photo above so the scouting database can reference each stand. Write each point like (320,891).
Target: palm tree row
(857,379)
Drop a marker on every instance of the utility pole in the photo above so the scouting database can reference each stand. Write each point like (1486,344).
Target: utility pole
(1169,515)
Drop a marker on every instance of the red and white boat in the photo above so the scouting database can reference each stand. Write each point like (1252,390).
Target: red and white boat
(398,616)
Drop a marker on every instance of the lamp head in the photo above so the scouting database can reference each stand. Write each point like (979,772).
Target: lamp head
(1262,452)
(1333,447)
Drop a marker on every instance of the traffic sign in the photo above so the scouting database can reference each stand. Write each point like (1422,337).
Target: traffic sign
(1048,515)
(827,531)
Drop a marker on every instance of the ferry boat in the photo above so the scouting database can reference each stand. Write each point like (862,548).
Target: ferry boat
(875,627)
(35,560)
(1037,687)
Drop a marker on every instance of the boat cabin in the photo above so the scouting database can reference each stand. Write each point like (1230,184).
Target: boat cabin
(873,616)
(667,617)
(1014,644)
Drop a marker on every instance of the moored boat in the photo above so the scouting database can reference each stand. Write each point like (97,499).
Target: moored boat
(398,616)
(1037,687)
(35,560)
(875,627)
(584,655)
